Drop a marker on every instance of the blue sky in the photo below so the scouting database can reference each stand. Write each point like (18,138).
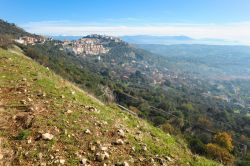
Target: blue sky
(229,19)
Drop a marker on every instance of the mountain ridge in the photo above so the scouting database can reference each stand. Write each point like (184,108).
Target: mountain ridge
(175,40)
(12,30)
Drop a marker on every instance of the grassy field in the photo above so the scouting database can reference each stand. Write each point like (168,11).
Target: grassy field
(35,101)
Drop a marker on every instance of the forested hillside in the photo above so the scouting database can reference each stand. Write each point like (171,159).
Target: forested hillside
(46,120)
(178,105)
(12,30)
(209,114)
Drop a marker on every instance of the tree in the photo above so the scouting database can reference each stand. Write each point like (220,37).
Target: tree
(166,105)
(33,53)
(134,109)
(204,122)
(225,140)
(221,154)
(158,120)
(5,41)
(168,128)
(187,107)
(177,122)
(196,145)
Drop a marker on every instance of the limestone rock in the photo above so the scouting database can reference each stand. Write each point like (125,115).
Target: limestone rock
(92,109)
(69,112)
(121,133)
(104,148)
(119,142)
(84,162)
(62,161)
(92,148)
(102,156)
(169,158)
(87,131)
(47,136)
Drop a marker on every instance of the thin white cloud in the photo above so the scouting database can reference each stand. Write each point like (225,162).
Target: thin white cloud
(232,31)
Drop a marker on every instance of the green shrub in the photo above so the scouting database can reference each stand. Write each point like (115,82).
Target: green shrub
(24,134)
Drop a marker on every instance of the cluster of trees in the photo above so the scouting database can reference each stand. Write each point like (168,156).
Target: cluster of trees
(221,148)
(11,29)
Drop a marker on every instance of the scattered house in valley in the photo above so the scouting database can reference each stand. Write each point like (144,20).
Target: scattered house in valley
(125,77)
(222,97)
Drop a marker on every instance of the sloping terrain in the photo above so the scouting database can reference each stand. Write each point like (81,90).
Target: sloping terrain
(11,29)
(46,120)
(138,80)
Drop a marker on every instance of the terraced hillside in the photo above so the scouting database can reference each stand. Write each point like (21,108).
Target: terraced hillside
(45,120)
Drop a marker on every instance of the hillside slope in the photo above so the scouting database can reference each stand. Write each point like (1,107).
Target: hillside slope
(11,29)
(48,121)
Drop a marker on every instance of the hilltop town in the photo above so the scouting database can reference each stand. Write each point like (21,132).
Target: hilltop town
(87,45)
(90,45)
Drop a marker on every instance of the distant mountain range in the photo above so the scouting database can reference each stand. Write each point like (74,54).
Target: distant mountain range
(169,40)
(166,40)
(146,39)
